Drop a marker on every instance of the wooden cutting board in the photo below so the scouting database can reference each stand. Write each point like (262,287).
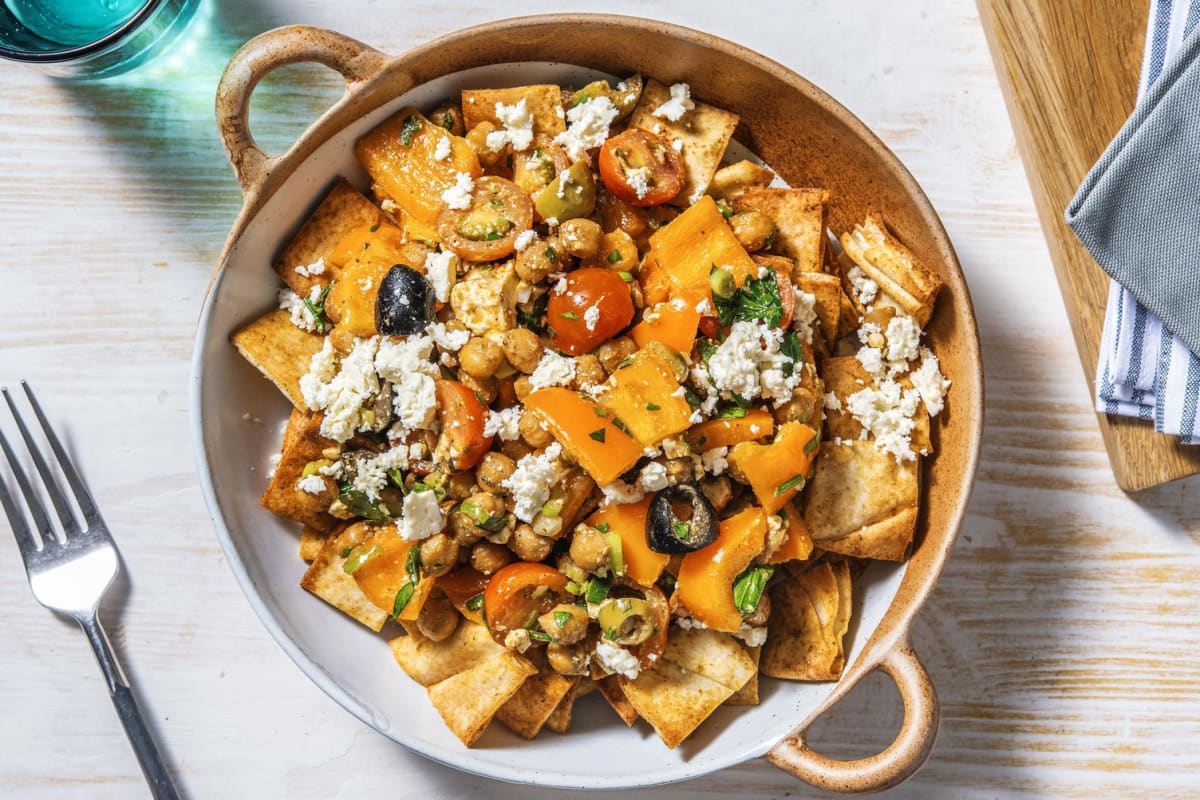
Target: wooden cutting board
(1069,72)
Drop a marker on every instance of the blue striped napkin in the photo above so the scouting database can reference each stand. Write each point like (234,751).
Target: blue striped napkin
(1144,370)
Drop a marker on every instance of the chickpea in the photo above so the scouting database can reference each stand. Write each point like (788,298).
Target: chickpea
(449,117)
(494,468)
(480,357)
(528,545)
(521,386)
(614,351)
(516,449)
(538,260)
(799,409)
(413,254)
(461,485)
(488,557)
(523,349)
(439,554)
(567,659)
(588,372)
(486,389)
(589,547)
(463,526)
(762,613)
(568,624)
(477,136)
(581,237)
(718,491)
(438,618)
(679,470)
(753,229)
(533,431)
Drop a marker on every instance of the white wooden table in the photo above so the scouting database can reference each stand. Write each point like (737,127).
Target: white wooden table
(1062,637)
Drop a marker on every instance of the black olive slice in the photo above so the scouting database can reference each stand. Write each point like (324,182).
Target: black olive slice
(667,533)
(405,302)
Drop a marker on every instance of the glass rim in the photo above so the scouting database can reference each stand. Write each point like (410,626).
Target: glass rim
(84,50)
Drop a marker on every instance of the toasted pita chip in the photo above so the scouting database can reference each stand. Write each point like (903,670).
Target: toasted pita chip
(748,694)
(717,656)
(861,502)
(560,720)
(828,291)
(284,496)
(544,103)
(900,275)
(538,698)
(327,580)
(341,211)
(799,217)
(736,178)
(279,350)
(809,617)
(705,132)
(674,700)
(311,542)
(468,701)
(428,662)
(610,688)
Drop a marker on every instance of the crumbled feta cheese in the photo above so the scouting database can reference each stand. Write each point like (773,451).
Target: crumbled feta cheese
(315,268)
(619,492)
(531,481)
(928,380)
(552,370)
(518,639)
(560,285)
(301,317)
(440,269)
(749,364)
(447,339)
(589,124)
(486,300)
(407,365)
(638,179)
(273,464)
(714,460)
(887,413)
(524,239)
(871,359)
(370,477)
(617,660)
(679,104)
(591,317)
(752,636)
(864,287)
(517,130)
(421,518)
(804,313)
(458,196)
(504,423)
(705,308)
(903,339)
(832,402)
(441,151)
(415,401)
(690,623)
(677,145)
(341,390)
(653,477)
(551,222)
(313,484)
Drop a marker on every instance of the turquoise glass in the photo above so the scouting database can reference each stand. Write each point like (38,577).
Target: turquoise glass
(84,39)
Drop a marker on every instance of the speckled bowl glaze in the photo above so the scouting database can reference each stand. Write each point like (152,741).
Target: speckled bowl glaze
(801,132)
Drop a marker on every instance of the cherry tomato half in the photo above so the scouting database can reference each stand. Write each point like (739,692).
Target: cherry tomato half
(649,651)
(594,306)
(520,593)
(487,230)
(641,168)
(787,295)
(463,418)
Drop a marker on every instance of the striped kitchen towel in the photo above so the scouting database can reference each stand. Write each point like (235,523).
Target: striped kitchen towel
(1144,370)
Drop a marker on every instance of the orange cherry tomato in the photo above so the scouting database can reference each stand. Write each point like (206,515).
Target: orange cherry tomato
(487,230)
(787,296)
(648,651)
(520,593)
(641,168)
(594,306)
(463,418)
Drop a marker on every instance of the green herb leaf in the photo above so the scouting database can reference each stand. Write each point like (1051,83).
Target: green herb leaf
(317,308)
(600,411)
(493,237)
(347,551)
(498,203)
(475,603)
(448,121)
(682,530)
(580,99)
(748,588)
(757,299)
(626,276)
(361,505)
(551,256)
(611,634)
(397,477)
(597,590)
(603,527)
(402,597)
(614,256)
(739,409)
(571,315)
(619,425)
(725,209)
(482,518)
(533,315)
(561,618)
(791,483)
(811,446)
(540,635)
(412,126)
(791,348)
(598,435)
(692,398)
(375,227)
(653,407)
(412,564)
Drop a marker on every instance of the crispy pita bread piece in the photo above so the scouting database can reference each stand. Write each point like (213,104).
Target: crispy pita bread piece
(748,694)
(284,495)
(610,688)
(717,656)
(827,290)
(279,350)
(810,614)
(845,376)
(733,179)
(311,542)
(341,211)
(705,132)
(560,720)
(673,699)
(328,580)
(427,662)
(799,217)
(538,698)
(543,101)
(468,701)
(899,274)
(861,502)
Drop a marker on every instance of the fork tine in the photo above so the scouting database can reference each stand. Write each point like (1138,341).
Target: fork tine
(15,516)
(87,505)
(70,525)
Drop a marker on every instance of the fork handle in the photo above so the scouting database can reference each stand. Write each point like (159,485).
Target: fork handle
(162,786)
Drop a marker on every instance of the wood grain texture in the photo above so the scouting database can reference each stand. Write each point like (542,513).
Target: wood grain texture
(1062,636)
(1069,72)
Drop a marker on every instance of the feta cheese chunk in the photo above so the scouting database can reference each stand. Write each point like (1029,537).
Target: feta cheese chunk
(517,130)
(458,196)
(928,380)
(679,104)
(504,423)
(589,124)
(531,481)
(440,269)
(617,660)
(552,370)
(422,516)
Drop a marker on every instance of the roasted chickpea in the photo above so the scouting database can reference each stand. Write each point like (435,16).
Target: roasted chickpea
(488,557)
(528,545)
(461,485)
(494,468)
(538,260)
(486,389)
(523,349)
(718,491)
(762,613)
(438,618)
(753,229)
(589,547)
(477,136)
(679,470)
(533,432)
(581,237)
(567,659)
(449,117)
(800,408)
(521,387)
(568,624)
(480,357)
(439,554)
(516,449)
(464,526)
(588,372)
(614,351)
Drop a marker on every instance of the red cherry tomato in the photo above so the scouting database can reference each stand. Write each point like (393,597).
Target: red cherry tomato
(594,306)
(641,168)
(463,418)
(520,593)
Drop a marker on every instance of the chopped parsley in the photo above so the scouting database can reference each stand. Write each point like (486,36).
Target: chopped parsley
(757,299)
(412,126)
(614,256)
(598,435)
(571,315)
(653,406)
(795,482)
(317,308)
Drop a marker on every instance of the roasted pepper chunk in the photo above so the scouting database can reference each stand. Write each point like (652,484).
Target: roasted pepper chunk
(385,574)
(705,581)
(777,471)
(587,431)
(628,521)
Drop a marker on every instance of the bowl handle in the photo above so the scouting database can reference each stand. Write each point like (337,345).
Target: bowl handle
(355,61)
(899,761)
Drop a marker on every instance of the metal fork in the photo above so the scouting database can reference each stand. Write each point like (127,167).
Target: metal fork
(71,576)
